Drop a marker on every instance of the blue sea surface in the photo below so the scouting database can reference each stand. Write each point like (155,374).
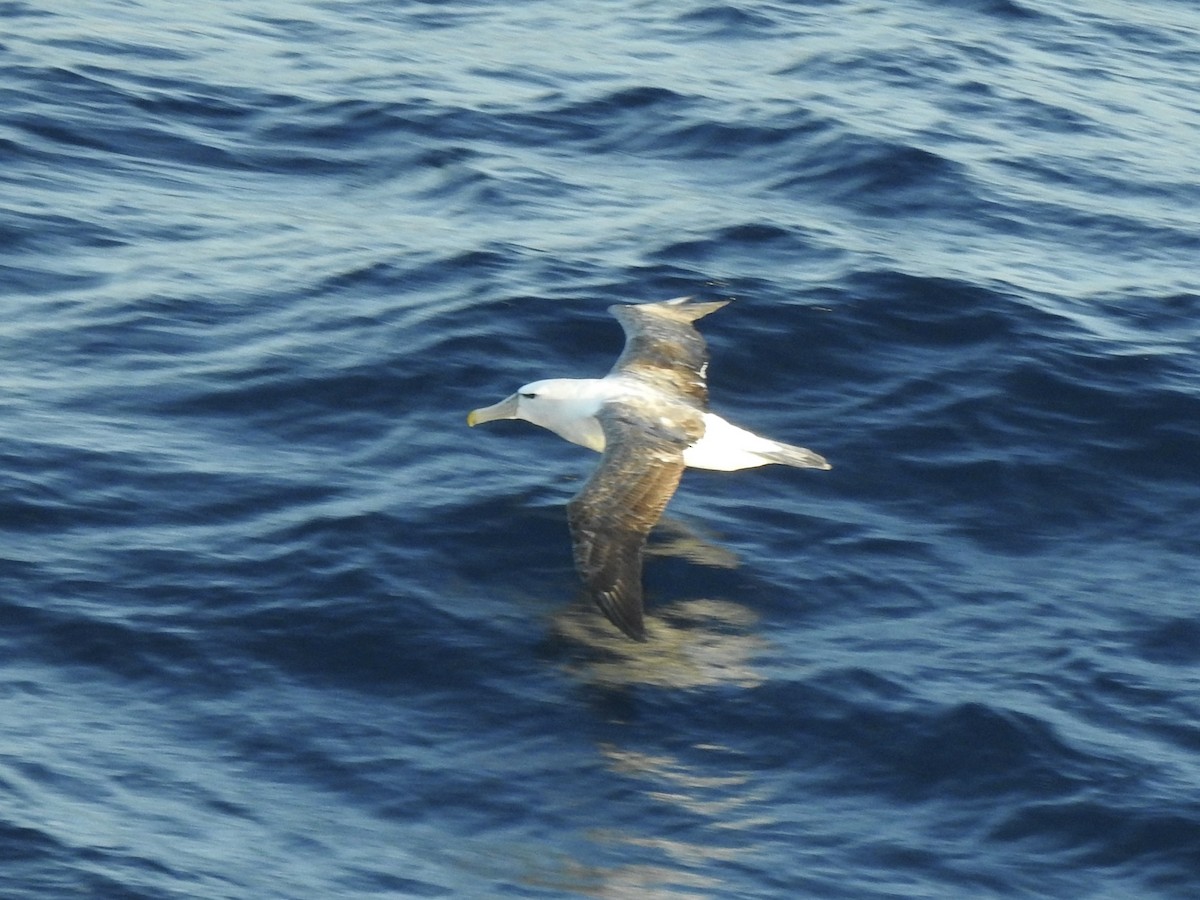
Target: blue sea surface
(274,623)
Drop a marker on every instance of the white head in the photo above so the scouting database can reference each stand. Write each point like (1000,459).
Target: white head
(566,406)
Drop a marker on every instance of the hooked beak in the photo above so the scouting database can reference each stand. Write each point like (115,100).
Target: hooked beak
(505,409)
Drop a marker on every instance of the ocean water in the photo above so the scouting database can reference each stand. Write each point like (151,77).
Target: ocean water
(275,624)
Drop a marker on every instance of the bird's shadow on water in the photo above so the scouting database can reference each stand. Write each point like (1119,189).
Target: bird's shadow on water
(691,642)
(678,539)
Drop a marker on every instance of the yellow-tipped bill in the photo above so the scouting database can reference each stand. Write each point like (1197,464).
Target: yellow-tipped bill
(505,409)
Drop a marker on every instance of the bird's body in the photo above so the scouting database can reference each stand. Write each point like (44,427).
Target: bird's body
(570,407)
(649,418)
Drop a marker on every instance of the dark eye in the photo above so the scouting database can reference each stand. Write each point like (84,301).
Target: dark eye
(528,396)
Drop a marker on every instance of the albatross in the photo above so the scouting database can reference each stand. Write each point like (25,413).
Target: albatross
(649,418)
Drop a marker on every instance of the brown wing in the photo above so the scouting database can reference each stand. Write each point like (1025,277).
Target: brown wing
(664,348)
(614,512)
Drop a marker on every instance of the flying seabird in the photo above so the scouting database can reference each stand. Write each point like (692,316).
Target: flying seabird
(649,417)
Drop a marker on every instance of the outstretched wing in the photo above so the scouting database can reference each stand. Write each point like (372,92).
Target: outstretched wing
(612,515)
(662,346)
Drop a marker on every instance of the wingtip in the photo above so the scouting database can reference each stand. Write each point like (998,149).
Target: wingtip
(633,632)
(624,612)
(700,310)
(635,628)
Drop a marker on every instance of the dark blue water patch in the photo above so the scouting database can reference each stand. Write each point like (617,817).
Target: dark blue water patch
(9,149)
(519,339)
(129,651)
(94,117)
(468,187)
(452,272)
(727,21)
(969,750)
(839,733)
(1159,41)
(653,100)
(628,119)
(904,170)
(884,325)
(115,137)
(353,642)
(374,634)
(438,124)
(20,845)
(969,374)
(1114,409)
(715,139)
(975,750)
(204,105)
(288,398)
(112,48)
(312,601)
(645,120)
(1089,180)
(197,107)
(445,156)
(371,596)
(38,281)
(54,487)
(939,315)
(77,134)
(300,31)
(298,401)
(1038,114)
(1007,10)
(902,67)
(52,233)
(39,865)
(368,883)
(74,88)
(741,246)
(1157,847)
(169,122)
(878,177)
(311,397)
(18,10)
(976,769)
(334,125)
(1170,317)
(1135,700)
(1175,641)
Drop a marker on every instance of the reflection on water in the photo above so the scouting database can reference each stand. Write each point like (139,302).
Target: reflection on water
(719,798)
(723,807)
(653,883)
(673,537)
(689,644)
(724,811)
(557,874)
